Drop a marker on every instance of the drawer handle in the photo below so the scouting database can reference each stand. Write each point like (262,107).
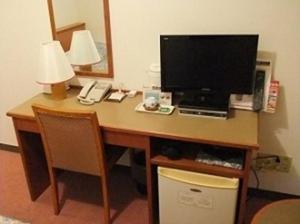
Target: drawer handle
(195,190)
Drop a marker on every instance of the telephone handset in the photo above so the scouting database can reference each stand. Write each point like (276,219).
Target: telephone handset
(93,92)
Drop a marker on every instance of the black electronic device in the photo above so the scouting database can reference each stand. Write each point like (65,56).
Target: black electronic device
(258,94)
(208,68)
(171,152)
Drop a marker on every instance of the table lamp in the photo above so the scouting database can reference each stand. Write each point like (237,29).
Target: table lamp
(54,69)
(83,51)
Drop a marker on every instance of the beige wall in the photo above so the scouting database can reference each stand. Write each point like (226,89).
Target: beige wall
(24,25)
(136,26)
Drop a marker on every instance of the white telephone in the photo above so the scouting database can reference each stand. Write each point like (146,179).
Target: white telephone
(93,92)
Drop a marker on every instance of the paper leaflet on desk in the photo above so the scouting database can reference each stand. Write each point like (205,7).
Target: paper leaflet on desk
(259,99)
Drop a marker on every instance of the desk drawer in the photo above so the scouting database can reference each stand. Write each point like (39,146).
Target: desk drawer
(126,139)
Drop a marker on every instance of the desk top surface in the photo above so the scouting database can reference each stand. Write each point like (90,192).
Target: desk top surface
(240,130)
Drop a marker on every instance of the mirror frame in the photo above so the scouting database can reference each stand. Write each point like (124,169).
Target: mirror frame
(110,71)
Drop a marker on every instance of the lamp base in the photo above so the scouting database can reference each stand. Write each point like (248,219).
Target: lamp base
(58,91)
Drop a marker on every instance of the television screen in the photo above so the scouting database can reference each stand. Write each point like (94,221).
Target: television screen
(208,63)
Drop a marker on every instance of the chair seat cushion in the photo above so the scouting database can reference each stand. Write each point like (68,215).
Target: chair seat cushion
(279,212)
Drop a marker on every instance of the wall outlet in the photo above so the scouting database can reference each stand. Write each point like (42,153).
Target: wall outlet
(264,161)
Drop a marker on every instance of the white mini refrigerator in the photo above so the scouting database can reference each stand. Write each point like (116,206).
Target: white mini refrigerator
(194,198)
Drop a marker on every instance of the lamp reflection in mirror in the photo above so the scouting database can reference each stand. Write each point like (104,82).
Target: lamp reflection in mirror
(54,69)
(83,51)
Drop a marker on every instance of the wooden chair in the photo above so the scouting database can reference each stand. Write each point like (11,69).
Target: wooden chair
(72,141)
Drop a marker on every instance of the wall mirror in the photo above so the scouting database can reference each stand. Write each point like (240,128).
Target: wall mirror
(68,16)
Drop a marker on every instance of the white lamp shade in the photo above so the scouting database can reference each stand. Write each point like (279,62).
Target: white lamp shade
(54,66)
(83,50)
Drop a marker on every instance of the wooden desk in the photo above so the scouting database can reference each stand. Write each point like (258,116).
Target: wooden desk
(121,125)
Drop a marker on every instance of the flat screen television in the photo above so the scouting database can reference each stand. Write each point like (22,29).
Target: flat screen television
(208,64)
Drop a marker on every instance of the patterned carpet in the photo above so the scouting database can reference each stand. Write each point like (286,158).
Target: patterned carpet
(6,220)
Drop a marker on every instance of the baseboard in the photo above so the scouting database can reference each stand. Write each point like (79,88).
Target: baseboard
(10,148)
(270,195)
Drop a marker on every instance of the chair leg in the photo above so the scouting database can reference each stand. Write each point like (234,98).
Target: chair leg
(106,202)
(54,190)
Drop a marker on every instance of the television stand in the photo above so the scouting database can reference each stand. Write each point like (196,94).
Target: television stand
(204,105)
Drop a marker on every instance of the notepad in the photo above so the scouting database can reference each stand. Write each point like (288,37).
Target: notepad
(116,96)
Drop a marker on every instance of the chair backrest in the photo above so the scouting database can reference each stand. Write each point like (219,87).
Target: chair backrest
(72,139)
